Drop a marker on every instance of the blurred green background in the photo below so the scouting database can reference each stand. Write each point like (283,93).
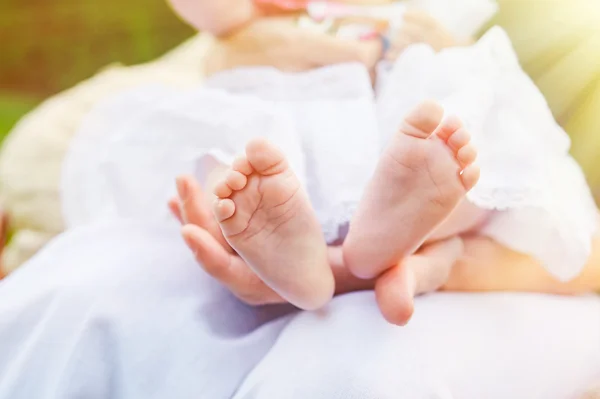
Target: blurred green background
(49,45)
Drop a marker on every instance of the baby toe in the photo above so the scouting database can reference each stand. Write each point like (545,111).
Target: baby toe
(470,176)
(224,209)
(422,120)
(242,165)
(222,189)
(265,158)
(466,155)
(236,180)
(449,126)
(459,139)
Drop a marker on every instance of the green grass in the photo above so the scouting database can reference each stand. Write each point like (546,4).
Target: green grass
(49,46)
(12,108)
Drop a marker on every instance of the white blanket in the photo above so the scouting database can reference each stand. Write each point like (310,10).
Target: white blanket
(122,311)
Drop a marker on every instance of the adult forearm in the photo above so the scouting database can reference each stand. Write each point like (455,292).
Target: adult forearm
(488,266)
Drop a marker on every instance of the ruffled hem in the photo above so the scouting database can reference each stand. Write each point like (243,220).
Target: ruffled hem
(558,232)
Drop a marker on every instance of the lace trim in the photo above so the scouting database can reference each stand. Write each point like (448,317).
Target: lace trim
(506,198)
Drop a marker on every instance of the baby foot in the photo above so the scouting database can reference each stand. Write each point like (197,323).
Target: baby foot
(425,271)
(421,177)
(267,218)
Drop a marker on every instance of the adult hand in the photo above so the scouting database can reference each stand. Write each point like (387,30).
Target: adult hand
(484,266)
(203,236)
(278,43)
(420,27)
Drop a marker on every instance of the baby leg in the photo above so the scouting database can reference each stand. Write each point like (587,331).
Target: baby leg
(424,272)
(267,218)
(429,269)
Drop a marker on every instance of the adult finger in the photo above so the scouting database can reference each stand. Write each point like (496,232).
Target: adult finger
(194,209)
(191,199)
(230,270)
(175,209)
(208,252)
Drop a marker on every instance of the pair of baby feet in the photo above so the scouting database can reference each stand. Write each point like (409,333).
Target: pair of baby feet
(267,218)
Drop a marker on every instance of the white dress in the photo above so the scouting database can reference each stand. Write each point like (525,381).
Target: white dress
(332,127)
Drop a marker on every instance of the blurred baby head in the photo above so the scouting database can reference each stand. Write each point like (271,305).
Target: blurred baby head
(189,10)
(217,16)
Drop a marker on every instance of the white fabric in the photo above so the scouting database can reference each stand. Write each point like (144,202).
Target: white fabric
(32,155)
(123,162)
(122,311)
(492,346)
(463,18)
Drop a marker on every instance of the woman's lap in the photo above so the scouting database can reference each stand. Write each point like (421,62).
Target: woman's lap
(457,346)
(123,311)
